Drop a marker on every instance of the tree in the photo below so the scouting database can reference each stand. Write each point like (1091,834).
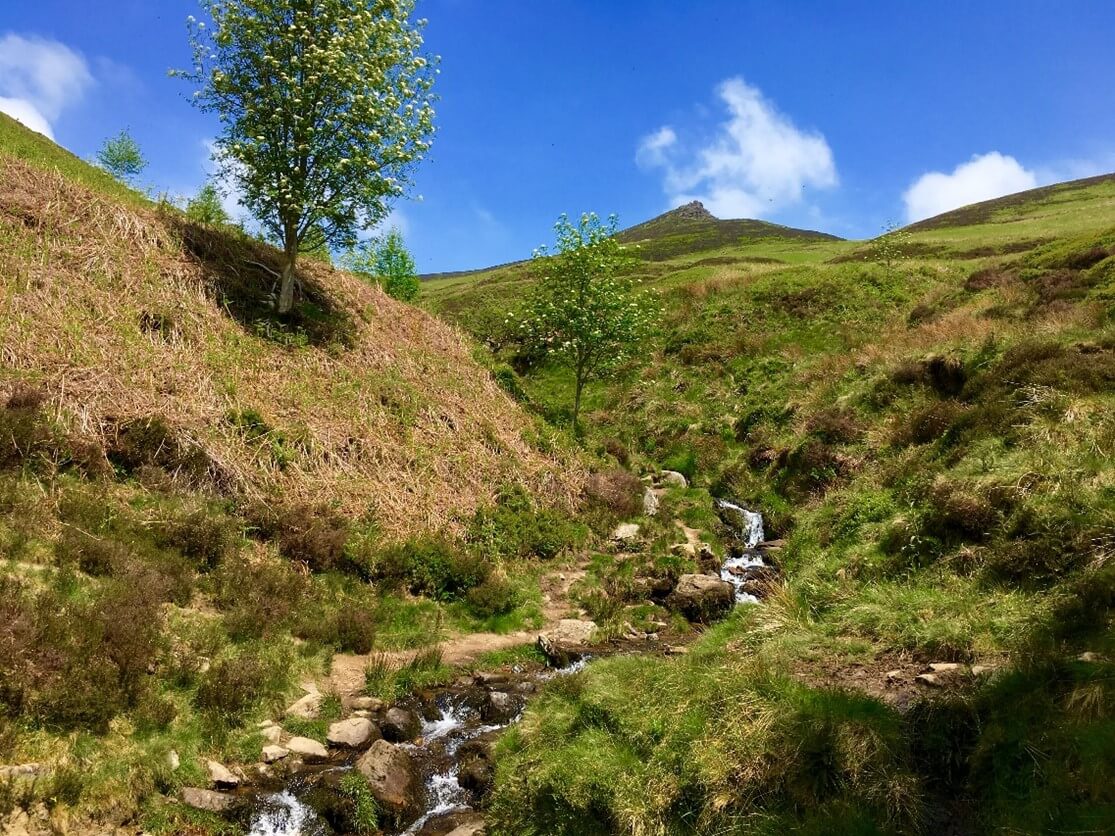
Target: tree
(585,312)
(325,108)
(205,207)
(386,261)
(890,247)
(120,156)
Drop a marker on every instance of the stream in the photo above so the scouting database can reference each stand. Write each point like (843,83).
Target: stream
(458,721)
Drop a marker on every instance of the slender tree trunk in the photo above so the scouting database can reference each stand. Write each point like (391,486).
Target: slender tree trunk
(578,388)
(286,286)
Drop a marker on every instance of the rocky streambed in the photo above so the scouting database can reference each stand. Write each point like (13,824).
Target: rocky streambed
(427,760)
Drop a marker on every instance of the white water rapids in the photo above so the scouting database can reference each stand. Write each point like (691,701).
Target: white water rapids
(749,531)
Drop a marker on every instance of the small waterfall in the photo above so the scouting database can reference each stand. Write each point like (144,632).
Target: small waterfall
(445,795)
(284,815)
(748,529)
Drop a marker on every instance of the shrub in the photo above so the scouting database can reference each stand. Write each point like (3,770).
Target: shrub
(928,423)
(835,425)
(433,565)
(959,512)
(234,685)
(515,528)
(508,381)
(684,461)
(315,536)
(496,595)
(150,442)
(810,468)
(349,628)
(617,491)
(257,599)
(945,375)
(205,536)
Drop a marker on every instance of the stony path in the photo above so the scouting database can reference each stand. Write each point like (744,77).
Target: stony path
(346,676)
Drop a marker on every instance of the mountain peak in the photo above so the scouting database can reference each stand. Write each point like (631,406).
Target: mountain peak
(694,210)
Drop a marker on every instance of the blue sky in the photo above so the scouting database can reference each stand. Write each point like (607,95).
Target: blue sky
(834,116)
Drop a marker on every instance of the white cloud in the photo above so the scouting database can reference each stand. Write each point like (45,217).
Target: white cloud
(39,79)
(983,177)
(757,163)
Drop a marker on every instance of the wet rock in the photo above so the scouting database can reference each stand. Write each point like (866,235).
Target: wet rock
(673,479)
(566,643)
(650,502)
(208,800)
(389,771)
(477,828)
(271,754)
(309,750)
(306,708)
(221,776)
(368,704)
(626,534)
(400,725)
(701,598)
(476,767)
(352,733)
(500,707)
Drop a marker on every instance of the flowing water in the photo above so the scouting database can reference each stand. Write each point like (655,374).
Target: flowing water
(455,714)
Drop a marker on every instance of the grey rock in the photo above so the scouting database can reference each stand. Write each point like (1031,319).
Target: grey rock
(352,733)
(309,750)
(673,479)
(567,641)
(221,776)
(274,753)
(208,800)
(701,598)
(650,502)
(306,708)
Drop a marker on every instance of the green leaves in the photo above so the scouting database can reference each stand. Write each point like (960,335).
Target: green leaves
(120,156)
(386,261)
(585,311)
(325,106)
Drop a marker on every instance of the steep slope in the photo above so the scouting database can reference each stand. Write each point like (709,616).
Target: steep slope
(130,315)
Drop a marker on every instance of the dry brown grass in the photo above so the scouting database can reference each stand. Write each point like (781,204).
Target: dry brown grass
(403,423)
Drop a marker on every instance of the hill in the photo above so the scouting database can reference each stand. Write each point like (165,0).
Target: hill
(124,315)
(929,438)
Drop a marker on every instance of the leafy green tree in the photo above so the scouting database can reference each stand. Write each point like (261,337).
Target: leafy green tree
(586,312)
(205,207)
(325,107)
(386,261)
(120,156)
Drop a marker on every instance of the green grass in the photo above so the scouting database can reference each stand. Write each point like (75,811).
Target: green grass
(36,149)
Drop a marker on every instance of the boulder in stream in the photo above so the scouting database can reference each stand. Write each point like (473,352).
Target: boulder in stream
(401,725)
(391,777)
(500,707)
(221,776)
(702,598)
(567,642)
(476,768)
(309,750)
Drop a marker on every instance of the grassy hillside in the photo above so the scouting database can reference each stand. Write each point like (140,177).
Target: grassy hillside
(200,502)
(933,440)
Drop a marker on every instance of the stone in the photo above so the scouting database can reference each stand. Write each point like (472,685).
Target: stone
(391,777)
(701,598)
(400,725)
(566,642)
(208,800)
(309,750)
(673,479)
(367,703)
(930,679)
(896,676)
(477,828)
(982,670)
(684,549)
(173,761)
(475,765)
(274,753)
(650,502)
(21,770)
(306,708)
(272,735)
(221,776)
(626,533)
(1089,656)
(945,667)
(500,707)
(676,650)
(352,733)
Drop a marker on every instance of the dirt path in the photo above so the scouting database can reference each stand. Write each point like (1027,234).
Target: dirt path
(346,676)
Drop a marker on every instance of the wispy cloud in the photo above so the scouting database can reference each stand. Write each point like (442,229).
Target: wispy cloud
(39,79)
(757,163)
